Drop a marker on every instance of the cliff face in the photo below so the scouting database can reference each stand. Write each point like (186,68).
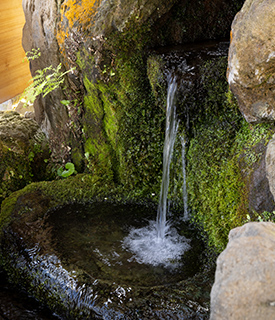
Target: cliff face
(107,43)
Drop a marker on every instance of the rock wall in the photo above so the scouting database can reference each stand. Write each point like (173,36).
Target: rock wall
(251,73)
(93,36)
(40,33)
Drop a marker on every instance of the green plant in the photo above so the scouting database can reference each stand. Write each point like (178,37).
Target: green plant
(32,55)
(69,170)
(45,80)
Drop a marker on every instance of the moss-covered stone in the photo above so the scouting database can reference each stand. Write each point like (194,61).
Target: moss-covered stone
(29,256)
(155,72)
(122,125)
(23,149)
(223,156)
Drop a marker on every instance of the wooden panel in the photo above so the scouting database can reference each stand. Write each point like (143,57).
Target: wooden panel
(14,74)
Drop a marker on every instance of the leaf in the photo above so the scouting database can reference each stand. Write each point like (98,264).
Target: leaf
(70,170)
(60,171)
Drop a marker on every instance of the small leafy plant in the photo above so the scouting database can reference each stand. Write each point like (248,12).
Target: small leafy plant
(45,80)
(69,170)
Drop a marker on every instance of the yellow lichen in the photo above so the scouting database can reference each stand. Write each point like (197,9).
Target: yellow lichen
(79,14)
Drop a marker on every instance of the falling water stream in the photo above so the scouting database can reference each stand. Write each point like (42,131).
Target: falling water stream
(171,130)
(184,187)
(159,243)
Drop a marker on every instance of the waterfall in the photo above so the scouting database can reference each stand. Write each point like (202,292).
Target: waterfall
(184,187)
(171,129)
(159,243)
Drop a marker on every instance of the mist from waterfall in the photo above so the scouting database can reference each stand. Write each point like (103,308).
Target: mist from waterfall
(159,243)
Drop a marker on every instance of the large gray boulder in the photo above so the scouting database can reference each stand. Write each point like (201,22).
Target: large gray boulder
(251,68)
(245,278)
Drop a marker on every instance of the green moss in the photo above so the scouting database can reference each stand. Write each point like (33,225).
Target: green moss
(155,73)
(15,171)
(95,142)
(214,184)
(122,126)
(222,154)
(77,158)
(79,188)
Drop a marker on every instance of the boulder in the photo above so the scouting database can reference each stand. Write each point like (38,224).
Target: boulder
(244,279)
(251,67)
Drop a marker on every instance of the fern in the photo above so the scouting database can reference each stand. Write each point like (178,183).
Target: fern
(45,80)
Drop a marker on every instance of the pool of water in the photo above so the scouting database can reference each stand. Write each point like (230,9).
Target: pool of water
(81,256)
(91,238)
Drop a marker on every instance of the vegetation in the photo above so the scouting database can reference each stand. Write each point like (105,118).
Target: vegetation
(130,152)
(69,170)
(222,151)
(45,80)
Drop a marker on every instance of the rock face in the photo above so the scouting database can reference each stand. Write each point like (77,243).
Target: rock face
(244,280)
(251,69)
(40,33)
(270,165)
(257,184)
(97,38)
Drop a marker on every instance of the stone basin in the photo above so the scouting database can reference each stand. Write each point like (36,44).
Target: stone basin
(68,255)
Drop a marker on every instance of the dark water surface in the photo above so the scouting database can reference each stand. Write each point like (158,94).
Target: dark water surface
(91,238)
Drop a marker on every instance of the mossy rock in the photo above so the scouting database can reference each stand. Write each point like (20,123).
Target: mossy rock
(23,149)
(227,181)
(29,257)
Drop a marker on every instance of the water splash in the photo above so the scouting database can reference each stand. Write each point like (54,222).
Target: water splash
(149,248)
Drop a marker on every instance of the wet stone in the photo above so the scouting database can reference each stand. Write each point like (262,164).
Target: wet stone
(72,259)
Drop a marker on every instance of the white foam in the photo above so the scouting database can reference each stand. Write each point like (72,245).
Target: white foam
(148,248)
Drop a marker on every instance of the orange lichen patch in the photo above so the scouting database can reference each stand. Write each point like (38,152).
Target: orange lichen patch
(79,14)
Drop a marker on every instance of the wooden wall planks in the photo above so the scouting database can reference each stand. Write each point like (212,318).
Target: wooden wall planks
(14,74)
